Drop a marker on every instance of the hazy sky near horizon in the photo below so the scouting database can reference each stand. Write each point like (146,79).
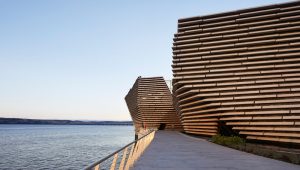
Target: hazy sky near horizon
(77,59)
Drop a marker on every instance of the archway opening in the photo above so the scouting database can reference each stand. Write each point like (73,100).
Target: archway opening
(226,130)
(162,126)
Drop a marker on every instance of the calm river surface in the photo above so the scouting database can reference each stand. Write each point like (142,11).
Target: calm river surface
(59,146)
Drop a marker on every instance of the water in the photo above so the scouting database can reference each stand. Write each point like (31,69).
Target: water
(31,147)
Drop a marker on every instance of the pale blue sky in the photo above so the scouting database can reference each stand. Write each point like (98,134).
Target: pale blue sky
(77,59)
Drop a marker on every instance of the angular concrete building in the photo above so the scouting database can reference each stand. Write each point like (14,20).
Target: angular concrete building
(239,72)
(150,105)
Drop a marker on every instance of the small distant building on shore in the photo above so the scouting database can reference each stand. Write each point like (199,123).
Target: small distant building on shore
(150,105)
(239,72)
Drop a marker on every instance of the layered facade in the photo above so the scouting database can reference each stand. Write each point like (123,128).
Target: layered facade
(150,105)
(240,69)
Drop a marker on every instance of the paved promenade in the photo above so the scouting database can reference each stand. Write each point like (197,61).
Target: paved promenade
(173,151)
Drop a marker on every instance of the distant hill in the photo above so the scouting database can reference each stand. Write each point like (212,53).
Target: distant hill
(61,122)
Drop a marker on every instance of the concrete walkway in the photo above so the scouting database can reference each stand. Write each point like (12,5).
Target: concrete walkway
(173,150)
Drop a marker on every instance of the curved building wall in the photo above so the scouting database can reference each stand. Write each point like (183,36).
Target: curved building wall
(150,104)
(241,68)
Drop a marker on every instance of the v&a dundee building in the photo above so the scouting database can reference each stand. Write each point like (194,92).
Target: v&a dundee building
(234,73)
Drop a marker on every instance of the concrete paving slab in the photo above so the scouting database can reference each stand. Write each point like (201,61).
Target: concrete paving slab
(173,150)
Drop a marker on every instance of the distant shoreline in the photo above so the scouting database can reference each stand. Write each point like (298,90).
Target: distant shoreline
(61,122)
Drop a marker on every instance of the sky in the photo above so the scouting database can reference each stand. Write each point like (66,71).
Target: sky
(77,59)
